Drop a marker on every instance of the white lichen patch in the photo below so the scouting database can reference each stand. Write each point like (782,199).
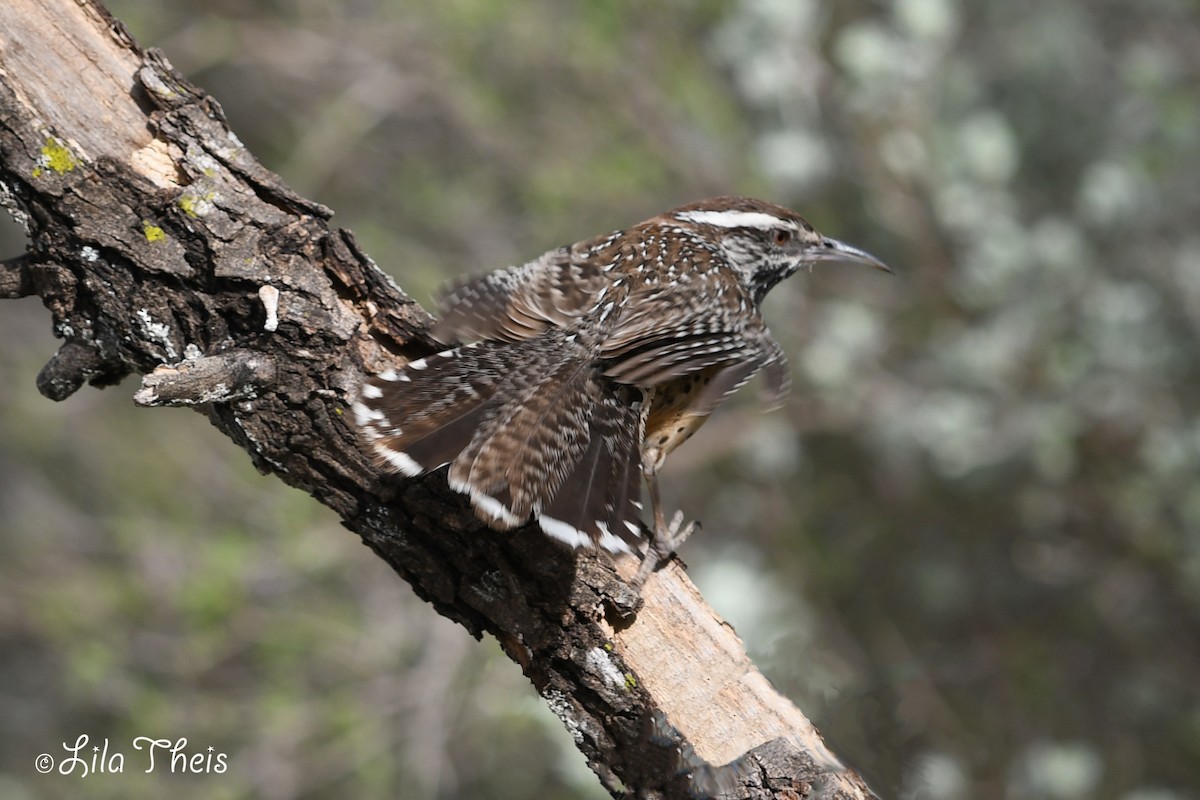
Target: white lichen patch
(155,84)
(9,203)
(197,202)
(157,332)
(601,663)
(204,162)
(562,708)
(89,253)
(82,334)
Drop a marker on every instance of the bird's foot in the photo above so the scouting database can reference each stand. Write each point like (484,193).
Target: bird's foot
(663,544)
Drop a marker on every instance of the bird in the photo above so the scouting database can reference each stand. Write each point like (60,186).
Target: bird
(568,380)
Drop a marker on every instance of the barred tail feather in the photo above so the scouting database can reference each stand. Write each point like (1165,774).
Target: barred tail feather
(526,431)
(523,452)
(597,501)
(419,417)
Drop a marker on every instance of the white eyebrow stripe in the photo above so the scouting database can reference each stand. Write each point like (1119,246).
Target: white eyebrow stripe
(735,219)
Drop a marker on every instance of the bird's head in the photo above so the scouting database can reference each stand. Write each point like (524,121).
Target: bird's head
(764,242)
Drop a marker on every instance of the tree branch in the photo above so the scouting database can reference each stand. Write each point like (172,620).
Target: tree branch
(162,247)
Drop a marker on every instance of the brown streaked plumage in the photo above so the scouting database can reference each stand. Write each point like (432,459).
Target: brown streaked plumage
(583,369)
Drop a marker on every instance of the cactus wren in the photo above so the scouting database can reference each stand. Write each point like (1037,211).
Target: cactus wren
(583,369)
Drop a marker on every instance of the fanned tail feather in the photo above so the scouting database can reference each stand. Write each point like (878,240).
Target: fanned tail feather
(599,495)
(527,429)
(419,417)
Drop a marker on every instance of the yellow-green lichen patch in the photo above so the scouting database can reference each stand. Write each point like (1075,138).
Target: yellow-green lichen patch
(153,232)
(630,681)
(56,156)
(196,205)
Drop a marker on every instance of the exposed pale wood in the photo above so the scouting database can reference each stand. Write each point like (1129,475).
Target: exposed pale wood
(695,665)
(69,70)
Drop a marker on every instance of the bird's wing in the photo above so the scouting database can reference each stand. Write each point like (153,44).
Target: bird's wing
(519,303)
(666,331)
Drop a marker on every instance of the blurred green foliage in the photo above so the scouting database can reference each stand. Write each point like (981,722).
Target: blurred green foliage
(969,546)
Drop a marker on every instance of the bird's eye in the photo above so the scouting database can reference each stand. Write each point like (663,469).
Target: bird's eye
(782,236)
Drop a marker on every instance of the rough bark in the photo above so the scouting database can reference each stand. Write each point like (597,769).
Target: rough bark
(162,248)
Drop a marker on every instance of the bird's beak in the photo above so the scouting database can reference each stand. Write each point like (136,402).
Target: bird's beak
(833,250)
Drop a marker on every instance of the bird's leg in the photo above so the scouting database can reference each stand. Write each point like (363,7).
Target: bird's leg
(664,539)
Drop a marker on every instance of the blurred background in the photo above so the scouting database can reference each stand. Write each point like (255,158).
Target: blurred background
(968,547)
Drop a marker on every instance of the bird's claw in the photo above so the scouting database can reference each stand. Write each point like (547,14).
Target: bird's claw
(662,546)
